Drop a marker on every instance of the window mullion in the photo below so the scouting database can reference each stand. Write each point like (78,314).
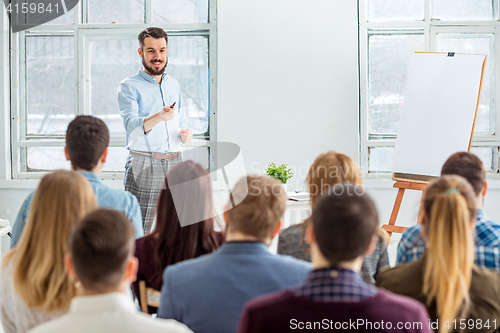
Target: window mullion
(212,65)
(17,86)
(84,34)
(496,76)
(363,85)
(427,28)
(148,12)
(84,17)
(427,11)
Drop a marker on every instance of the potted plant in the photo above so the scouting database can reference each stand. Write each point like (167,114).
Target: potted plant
(281,173)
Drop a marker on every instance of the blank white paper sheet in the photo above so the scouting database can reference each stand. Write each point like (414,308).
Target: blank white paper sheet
(438,112)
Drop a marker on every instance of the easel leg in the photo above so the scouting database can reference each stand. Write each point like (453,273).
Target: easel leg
(397,204)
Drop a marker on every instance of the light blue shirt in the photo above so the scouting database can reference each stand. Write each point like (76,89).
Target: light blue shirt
(139,96)
(107,197)
(208,293)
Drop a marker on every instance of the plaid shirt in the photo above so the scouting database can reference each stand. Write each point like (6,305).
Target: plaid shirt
(486,239)
(334,285)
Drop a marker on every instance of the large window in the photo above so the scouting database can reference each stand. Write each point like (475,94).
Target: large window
(74,64)
(390,32)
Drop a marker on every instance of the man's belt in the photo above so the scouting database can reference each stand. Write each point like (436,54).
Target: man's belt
(157,156)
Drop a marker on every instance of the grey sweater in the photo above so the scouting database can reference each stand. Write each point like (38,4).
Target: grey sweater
(289,244)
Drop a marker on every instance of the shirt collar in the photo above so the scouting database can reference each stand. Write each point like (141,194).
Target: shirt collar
(335,284)
(334,273)
(243,247)
(148,77)
(101,303)
(480,214)
(91,177)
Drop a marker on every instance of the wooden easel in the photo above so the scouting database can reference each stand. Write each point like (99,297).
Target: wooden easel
(401,186)
(419,182)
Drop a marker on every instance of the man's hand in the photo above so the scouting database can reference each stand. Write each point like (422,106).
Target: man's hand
(186,135)
(167,113)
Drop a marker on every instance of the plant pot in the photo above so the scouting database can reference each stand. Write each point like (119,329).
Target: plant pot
(284,187)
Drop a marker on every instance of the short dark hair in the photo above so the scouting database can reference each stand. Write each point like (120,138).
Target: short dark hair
(153,32)
(86,139)
(345,221)
(467,165)
(100,246)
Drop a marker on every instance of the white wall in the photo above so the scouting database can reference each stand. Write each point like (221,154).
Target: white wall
(288,80)
(288,90)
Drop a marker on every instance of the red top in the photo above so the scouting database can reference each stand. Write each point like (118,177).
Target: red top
(285,312)
(145,252)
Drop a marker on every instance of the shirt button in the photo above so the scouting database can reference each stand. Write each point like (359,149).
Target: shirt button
(334,274)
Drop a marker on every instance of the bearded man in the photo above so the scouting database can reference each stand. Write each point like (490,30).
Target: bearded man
(151,107)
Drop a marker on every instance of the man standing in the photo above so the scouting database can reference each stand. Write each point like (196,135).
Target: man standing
(151,107)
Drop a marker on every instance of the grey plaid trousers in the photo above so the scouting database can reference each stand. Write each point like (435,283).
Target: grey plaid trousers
(145,178)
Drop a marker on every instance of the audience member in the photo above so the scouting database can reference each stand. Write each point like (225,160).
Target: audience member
(329,170)
(34,286)
(445,277)
(487,233)
(101,260)
(208,293)
(334,296)
(87,141)
(170,242)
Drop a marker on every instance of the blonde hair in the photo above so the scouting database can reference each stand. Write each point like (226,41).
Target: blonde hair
(38,273)
(329,169)
(449,207)
(259,202)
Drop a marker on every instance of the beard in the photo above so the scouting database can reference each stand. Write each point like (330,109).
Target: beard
(151,70)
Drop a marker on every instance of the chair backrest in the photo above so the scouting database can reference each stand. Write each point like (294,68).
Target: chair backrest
(148,296)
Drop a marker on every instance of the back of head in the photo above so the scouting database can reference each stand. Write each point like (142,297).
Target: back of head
(449,207)
(329,169)
(344,222)
(184,220)
(62,198)
(468,166)
(260,204)
(189,185)
(100,246)
(86,139)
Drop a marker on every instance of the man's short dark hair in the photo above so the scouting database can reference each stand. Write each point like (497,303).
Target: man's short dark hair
(100,245)
(153,32)
(86,139)
(345,221)
(468,166)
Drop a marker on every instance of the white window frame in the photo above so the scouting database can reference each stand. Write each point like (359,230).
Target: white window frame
(84,33)
(430,28)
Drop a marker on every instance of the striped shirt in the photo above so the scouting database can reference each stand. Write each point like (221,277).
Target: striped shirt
(335,285)
(486,238)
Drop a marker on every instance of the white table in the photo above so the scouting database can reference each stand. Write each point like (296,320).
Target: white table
(296,208)
(292,207)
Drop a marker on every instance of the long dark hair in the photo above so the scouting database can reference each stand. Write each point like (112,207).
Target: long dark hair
(174,242)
